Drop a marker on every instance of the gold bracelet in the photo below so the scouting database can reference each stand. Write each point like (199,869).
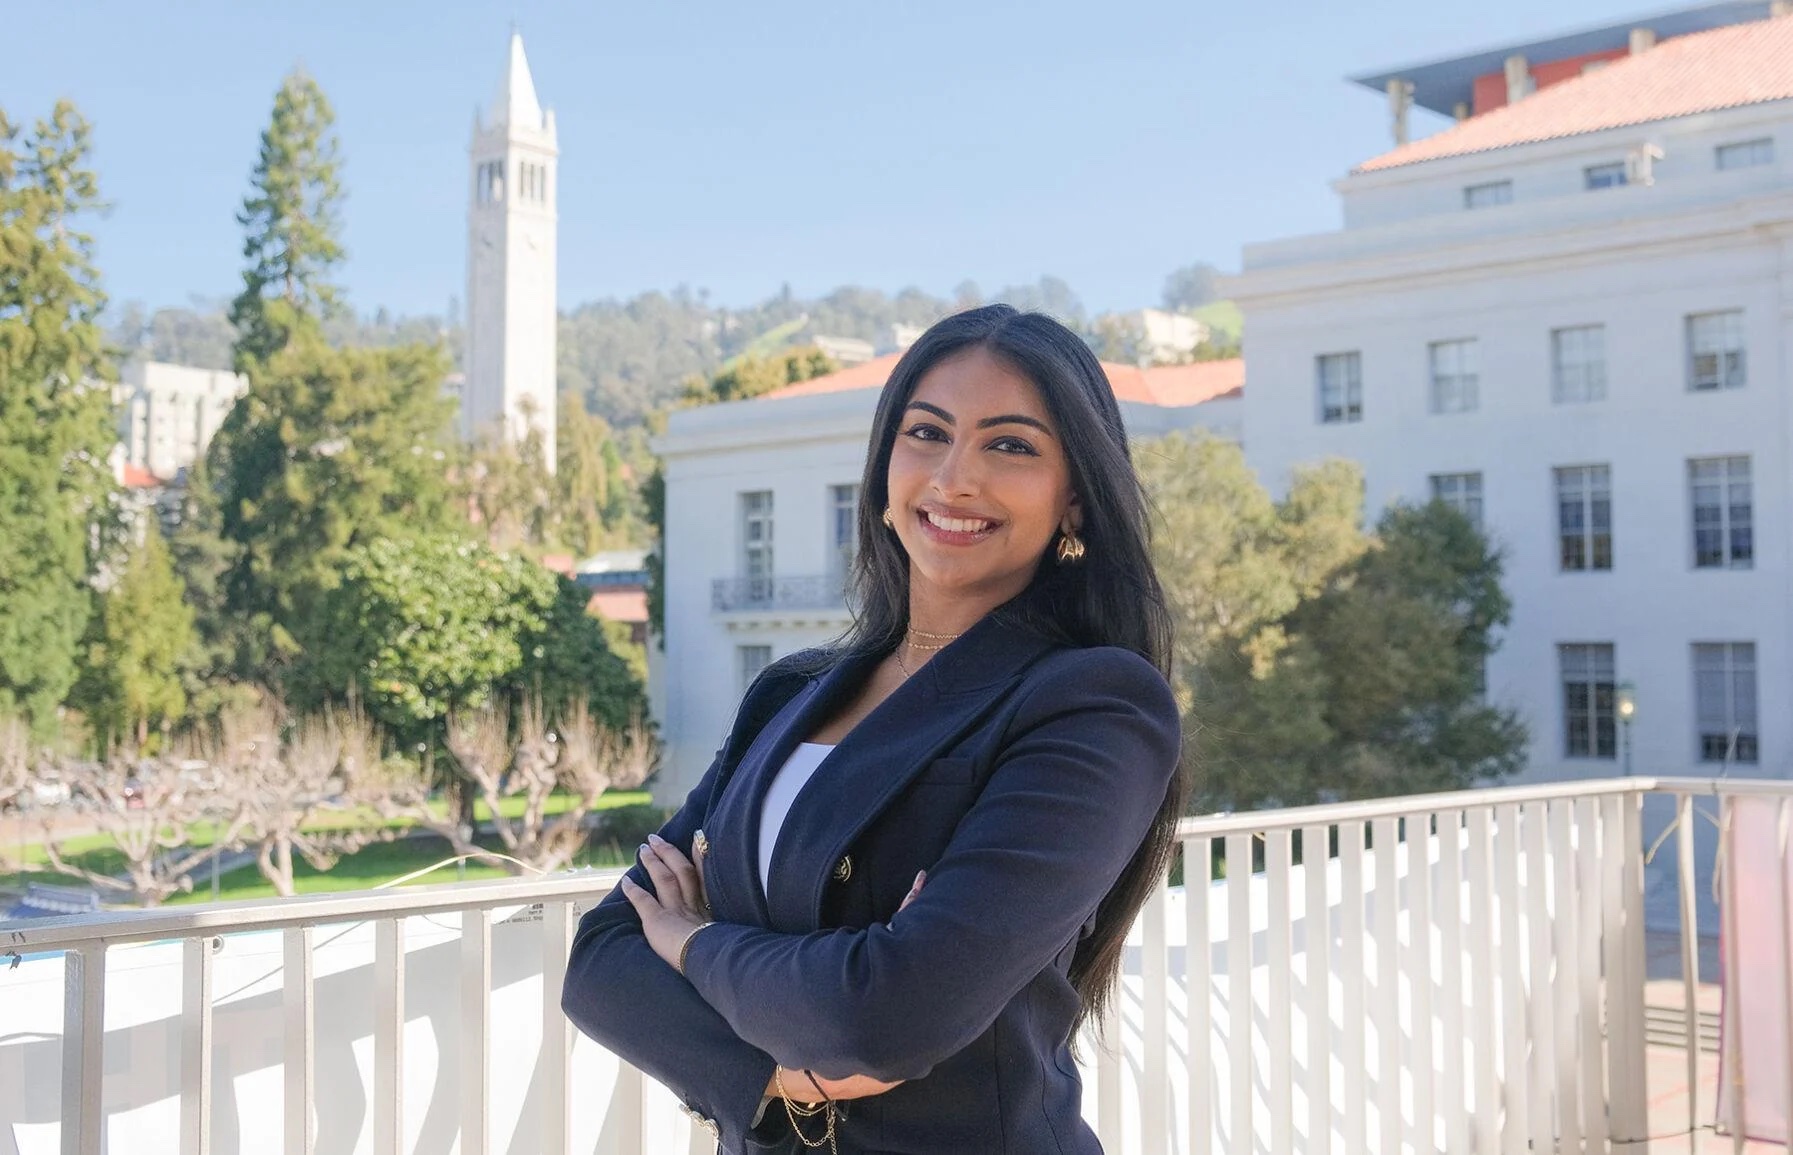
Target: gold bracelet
(685,947)
(794,1112)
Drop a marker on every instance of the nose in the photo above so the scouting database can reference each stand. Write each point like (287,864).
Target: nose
(960,472)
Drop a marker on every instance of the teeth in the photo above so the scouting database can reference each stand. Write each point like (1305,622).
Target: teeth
(958,524)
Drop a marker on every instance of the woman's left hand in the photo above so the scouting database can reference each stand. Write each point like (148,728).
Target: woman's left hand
(676,906)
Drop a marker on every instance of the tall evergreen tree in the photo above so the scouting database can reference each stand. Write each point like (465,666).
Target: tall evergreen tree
(290,221)
(140,642)
(329,447)
(55,409)
(332,447)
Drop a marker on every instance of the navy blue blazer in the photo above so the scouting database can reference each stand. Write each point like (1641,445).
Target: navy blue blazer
(1022,776)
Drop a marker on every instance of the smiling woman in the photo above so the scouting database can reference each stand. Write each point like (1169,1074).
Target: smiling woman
(882,916)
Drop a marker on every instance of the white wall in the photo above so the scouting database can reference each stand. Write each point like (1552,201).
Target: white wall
(1639,271)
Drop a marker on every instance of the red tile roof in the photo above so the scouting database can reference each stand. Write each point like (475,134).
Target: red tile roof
(1702,72)
(619,605)
(137,477)
(1166,385)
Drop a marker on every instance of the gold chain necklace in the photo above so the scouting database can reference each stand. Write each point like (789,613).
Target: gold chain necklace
(944,640)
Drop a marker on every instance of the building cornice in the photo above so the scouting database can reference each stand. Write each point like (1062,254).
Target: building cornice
(1559,243)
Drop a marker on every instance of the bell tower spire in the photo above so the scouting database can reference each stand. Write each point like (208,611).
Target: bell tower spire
(511,224)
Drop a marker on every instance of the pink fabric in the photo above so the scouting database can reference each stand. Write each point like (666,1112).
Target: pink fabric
(1756,879)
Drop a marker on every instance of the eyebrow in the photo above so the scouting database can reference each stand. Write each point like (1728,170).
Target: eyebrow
(1002,419)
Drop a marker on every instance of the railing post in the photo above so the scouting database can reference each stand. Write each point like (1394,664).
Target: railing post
(1240,1074)
(1154,1090)
(1632,1007)
(83,1048)
(557,1031)
(476,1030)
(196,1046)
(300,1043)
(389,1036)
(1690,952)
(1198,991)
(1385,1012)
(1278,947)
(1316,926)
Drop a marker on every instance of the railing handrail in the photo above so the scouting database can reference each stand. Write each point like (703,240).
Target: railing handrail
(116,927)
(1324,814)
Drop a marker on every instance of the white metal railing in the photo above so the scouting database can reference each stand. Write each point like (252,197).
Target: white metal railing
(1460,972)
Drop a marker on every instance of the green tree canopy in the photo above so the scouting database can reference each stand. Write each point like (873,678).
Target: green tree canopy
(330,448)
(749,377)
(138,646)
(290,222)
(55,409)
(424,628)
(1316,661)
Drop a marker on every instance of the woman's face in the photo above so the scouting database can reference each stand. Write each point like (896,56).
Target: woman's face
(978,480)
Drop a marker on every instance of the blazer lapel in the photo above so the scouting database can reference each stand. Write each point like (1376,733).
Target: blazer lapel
(880,755)
(737,883)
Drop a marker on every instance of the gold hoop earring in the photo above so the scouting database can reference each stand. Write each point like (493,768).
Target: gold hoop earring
(1070,549)
(889,521)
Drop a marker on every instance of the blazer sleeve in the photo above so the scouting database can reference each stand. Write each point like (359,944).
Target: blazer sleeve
(618,991)
(1088,757)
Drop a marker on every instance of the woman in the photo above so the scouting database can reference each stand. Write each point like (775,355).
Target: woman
(919,852)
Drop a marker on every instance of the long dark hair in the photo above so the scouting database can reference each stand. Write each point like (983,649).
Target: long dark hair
(1111,598)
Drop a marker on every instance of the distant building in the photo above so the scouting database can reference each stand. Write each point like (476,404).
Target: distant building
(1567,315)
(617,580)
(511,238)
(846,351)
(761,497)
(1167,338)
(168,414)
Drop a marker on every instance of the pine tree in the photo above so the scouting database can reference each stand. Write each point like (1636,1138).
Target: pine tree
(55,409)
(140,642)
(290,220)
(328,447)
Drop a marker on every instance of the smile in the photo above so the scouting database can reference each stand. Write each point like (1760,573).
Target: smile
(956,530)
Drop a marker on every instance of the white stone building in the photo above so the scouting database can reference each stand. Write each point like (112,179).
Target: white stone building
(167,414)
(511,226)
(1570,314)
(761,497)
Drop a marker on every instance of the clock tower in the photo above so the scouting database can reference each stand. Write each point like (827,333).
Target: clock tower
(511,315)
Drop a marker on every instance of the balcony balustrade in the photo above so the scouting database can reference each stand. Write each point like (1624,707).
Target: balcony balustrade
(1457,972)
(803,592)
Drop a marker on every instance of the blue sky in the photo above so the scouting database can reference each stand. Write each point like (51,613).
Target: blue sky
(738,147)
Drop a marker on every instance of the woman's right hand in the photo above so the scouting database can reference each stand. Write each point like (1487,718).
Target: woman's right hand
(799,1084)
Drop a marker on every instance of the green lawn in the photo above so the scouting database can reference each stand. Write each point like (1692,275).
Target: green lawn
(373,865)
(367,868)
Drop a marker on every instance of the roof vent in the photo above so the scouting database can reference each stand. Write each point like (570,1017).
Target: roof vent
(1642,40)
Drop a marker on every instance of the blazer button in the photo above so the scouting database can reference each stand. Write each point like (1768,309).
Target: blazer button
(843,869)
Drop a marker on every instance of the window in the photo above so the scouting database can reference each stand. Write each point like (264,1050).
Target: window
(1746,154)
(1715,350)
(1454,376)
(1578,364)
(750,660)
(1462,492)
(489,182)
(1590,722)
(1723,513)
(1584,516)
(1340,377)
(756,543)
(1724,694)
(1604,175)
(1481,196)
(843,529)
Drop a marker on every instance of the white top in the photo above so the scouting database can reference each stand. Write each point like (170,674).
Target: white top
(790,780)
